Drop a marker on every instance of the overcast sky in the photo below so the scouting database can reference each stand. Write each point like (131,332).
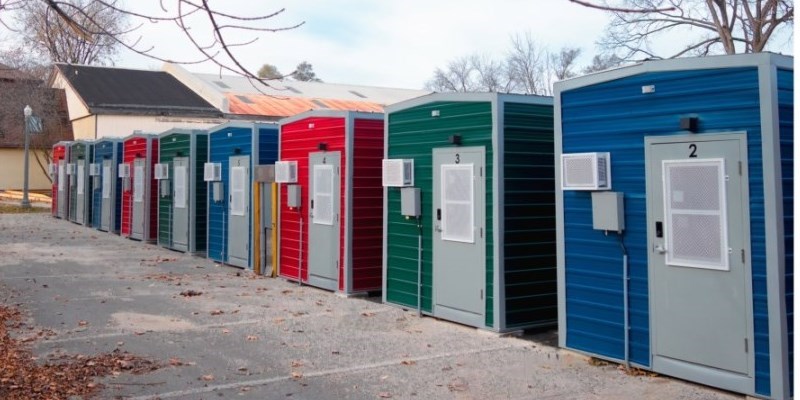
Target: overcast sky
(391,43)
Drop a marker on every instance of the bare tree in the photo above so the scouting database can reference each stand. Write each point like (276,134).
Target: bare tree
(562,64)
(218,45)
(712,26)
(458,76)
(601,63)
(53,38)
(527,62)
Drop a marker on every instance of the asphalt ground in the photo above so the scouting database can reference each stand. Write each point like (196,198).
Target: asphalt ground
(249,337)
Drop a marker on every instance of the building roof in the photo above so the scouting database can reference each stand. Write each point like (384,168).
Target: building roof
(8,73)
(239,95)
(106,90)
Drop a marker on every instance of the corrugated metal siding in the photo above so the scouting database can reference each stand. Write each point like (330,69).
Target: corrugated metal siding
(615,117)
(59,152)
(201,193)
(221,148)
(412,133)
(367,212)
(297,140)
(530,224)
(786,117)
(168,146)
(267,145)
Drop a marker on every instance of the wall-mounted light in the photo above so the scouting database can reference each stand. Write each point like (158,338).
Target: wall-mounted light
(138,155)
(178,154)
(435,113)
(237,151)
(455,139)
(322,146)
(689,124)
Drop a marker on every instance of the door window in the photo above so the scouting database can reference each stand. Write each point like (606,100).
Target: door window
(61,178)
(323,195)
(106,182)
(458,202)
(180,186)
(238,175)
(696,219)
(138,183)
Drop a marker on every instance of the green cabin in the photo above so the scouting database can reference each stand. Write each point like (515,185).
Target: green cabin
(469,236)
(181,190)
(80,184)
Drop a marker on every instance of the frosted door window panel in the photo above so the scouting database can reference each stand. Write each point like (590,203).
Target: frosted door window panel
(61,177)
(458,202)
(237,191)
(138,184)
(180,187)
(696,216)
(323,195)
(81,180)
(106,182)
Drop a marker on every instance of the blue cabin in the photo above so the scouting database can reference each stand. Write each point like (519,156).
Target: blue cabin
(674,219)
(107,187)
(235,149)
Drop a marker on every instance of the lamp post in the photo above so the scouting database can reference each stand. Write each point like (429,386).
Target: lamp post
(28,111)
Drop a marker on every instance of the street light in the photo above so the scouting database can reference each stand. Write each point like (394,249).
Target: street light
(28,111)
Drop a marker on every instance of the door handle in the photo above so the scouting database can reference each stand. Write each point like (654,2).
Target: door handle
(437,228)
(660,249)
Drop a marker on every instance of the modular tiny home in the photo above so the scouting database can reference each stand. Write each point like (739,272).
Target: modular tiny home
(182,193)
(235,148)
(139,209)
(332,238)
(476,243)
(678,259)
(107,187)
(58,171)
(80,186)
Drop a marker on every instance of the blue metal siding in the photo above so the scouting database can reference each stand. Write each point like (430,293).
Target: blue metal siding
(221,148)
(786,118)
(267,145)
(615,116)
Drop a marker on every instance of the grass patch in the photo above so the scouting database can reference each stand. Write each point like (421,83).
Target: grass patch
(17,209)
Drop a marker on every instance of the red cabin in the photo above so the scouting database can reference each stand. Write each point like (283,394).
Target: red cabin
(331,200)
(139,211)
(58,171)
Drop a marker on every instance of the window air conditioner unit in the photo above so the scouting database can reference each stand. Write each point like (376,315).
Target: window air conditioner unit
(398,172)
(161,171)
(212,172)
(70,169)
(52,169)
(586,171)
(94,169)
(124,171)
(286,172)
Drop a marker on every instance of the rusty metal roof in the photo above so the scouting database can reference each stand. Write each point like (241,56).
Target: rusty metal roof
(280,106)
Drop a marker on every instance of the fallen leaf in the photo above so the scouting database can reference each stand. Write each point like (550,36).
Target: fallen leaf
(175,362)
(297,363)
(226,331)
(217,312)
(367,314)
(408,362)
(385,395)
(297,375)
(82,323)
(207,378)
(252,338)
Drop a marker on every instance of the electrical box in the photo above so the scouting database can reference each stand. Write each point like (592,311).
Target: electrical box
(216,192)
(608,211)
(410,202)
(293,196)
(163,185)
(264,173)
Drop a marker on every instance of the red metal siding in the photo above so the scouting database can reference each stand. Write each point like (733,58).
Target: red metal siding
(367,212)
(59,153)
(296,142)
(132,147)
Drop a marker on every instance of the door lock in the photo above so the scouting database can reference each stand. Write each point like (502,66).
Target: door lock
(661,249)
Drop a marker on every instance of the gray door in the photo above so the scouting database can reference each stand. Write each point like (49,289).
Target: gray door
(140,178)
(106,196)
(323,228)
(80,191)
(72,183)
(180,203)
(63,189)
(239,211)
(459,245)
(700,280)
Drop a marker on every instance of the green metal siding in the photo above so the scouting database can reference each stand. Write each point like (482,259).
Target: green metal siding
(413,133)
(530,227)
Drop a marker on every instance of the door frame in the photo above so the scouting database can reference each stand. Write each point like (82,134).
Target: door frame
(444,312)
(687,370)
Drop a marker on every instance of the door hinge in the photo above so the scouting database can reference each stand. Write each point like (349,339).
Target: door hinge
(746,346)
(480,172)
(740,168)
(481,232)
(481,294)
(742,256)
